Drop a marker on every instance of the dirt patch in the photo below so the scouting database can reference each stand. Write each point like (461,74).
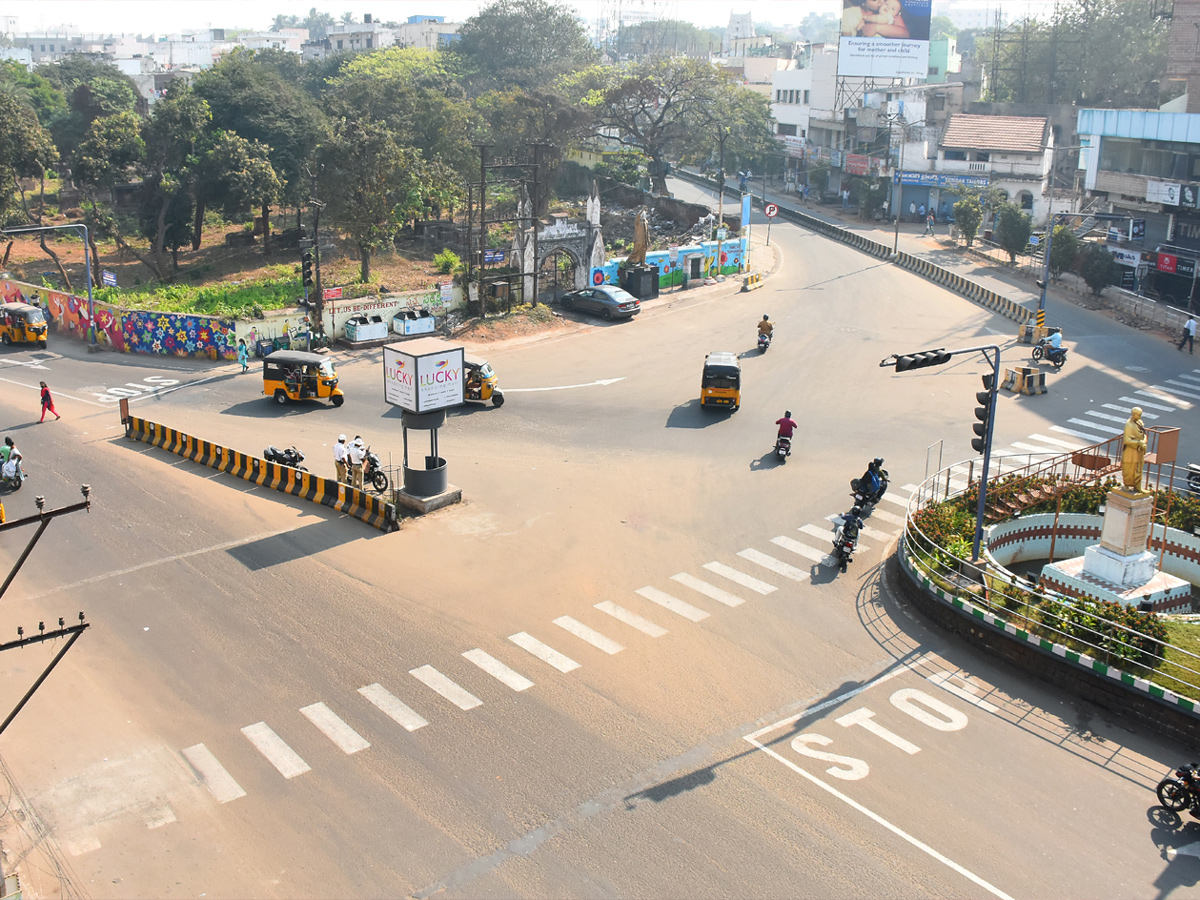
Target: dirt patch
(518,324)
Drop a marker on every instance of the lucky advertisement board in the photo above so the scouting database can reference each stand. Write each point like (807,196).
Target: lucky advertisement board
(884,39)
(423,375)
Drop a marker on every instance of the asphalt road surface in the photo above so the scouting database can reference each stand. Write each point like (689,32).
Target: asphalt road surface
(619,668)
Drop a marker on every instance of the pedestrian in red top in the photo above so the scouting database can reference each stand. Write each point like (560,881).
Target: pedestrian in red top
(47,403)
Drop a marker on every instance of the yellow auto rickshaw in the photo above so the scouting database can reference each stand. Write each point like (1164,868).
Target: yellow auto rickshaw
(21,323)
(721,383)
(483,383)
(296,375)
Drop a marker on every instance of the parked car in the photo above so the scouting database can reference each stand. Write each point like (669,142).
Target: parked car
(610,302)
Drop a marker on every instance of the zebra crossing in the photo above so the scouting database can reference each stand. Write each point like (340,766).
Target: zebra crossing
(754,572)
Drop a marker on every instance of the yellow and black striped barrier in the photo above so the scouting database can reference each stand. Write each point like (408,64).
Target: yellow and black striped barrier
(752,281)
(352,501)
(964,286)
(1041,317)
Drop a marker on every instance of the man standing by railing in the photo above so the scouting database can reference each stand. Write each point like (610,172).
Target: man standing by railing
(1189,334)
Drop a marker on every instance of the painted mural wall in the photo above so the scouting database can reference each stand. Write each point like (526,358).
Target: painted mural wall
(733,255)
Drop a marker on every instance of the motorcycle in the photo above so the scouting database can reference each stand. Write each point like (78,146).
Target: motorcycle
(1193,478)
(1055,357)
(845,542)
(863,497)
(12,475)
(764,341)
(1182,791)
(373,473)
(783,448)
(290,457)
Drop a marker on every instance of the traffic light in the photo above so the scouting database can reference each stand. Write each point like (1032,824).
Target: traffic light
(983,413)
(306,267)
(921,360)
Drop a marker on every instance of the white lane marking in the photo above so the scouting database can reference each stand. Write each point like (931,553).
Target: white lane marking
(1068,445)
(966,690)
(392,707)
(887,516)
(818,531)
(1182,404)
(1090,438)
(1175,390)
(663,599)
(1032,448)
(1190,378)
(564,387)
(775,565)
(212,774)
(1097,426)
(83,845)
(278,753)
(58,393)
(498,670)
(1142,403)
(1127,410)
(708,590)
(544,652)
(899,501)
(746,581)
(440,684)
(589,635)
(1108,418)
(331,725)
(909,487)
(630,618)
(164,815)
(801,549)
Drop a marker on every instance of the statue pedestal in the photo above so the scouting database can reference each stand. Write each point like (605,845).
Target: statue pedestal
(641,281)
(1120,569)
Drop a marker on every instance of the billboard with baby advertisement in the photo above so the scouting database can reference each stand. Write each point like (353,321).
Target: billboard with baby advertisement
(884,39)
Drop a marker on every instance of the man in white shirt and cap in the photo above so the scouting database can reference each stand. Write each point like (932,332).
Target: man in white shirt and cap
(339,457)
(356,453)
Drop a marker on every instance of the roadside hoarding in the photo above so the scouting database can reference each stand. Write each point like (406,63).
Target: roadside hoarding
(423,375)
(884,39)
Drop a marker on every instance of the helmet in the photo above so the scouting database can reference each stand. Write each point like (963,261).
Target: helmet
(787,413)
(358,442)
(341,439)
(766,318)
(856,511)
(879,461)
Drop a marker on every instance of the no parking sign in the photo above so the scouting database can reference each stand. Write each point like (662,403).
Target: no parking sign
(771,210)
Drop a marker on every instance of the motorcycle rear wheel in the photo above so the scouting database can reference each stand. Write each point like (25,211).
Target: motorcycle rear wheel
(1173,795)
(379,481)
(1037,353)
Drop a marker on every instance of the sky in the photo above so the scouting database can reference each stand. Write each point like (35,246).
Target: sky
(171,16)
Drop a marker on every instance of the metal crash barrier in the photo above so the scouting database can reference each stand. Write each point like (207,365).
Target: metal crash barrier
(352,501)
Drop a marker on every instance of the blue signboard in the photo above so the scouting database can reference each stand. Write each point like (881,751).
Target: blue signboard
(494,256)
(938,179)
(108,278)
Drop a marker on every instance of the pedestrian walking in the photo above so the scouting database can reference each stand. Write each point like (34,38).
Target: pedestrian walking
(243,355)
(1189,335)
(48,401)
(929,224)
(339,457)
(912,210)
(356,453)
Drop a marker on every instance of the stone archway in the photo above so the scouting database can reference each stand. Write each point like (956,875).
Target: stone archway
(558,271)
(579,240)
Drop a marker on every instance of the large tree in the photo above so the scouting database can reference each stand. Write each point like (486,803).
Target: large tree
(521,43)
(94,89)
(1012,230)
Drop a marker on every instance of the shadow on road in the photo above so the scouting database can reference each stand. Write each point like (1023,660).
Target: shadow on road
(301,542)
(767,461)
(264,408)
(693,415)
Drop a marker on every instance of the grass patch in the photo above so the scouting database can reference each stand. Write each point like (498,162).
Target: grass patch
(279,289)
(1182,636)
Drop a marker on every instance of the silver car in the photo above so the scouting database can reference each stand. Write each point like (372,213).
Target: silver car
(610,302)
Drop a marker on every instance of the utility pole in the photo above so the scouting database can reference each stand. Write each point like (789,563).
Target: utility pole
(317,206)
(722,133)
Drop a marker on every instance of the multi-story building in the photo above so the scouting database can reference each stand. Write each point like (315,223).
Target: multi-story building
(351,36)
(426,32)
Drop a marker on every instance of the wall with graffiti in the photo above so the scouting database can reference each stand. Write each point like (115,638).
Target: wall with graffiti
(733,254)
(129,331)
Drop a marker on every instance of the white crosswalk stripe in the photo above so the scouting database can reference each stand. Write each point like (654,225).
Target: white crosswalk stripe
(1090,438)
(1096,426)
(887,516)
(899,501)
(1189,377)
(910,488)
(331,725)
(787,543)
(278,754)
(1106,417)
(632,619)
(498,670)
(212,774)
(1165,398)
(1133,401)
(544,652)
(588,635)
(708,590)
(1175,389)
(1033,448)
(1127,410)
(674,604)
(1067,445)
(759,587)
(392,707)
(837,520)
(775,565)
(440,684)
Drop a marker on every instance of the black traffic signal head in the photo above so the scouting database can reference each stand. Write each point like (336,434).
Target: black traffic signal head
(983,413)
(306,267)
(921,359)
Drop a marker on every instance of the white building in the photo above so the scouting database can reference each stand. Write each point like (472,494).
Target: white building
(287,39)
(740,28)
(426,32)
(349,36)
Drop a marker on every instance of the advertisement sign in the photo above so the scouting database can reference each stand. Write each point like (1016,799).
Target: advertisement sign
(332,293)
(1188,195)
(107,278)
(423,375)
(1166,263)
(493,256)
(1129,279)
(857,165)
(1137,230)
(884,39)
(936,179)
(1165,192)
(446,292)
(1185,267)
(1126,257)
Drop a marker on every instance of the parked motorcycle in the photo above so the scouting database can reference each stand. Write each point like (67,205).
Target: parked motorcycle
(864,497)
(783,448)
(1056,358)
(373,473)
(12,475)
(1182,791)
(764,341)
(1194,477)
(290,457)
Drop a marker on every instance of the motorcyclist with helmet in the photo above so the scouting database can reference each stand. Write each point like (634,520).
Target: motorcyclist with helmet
(872,484)
(765,326)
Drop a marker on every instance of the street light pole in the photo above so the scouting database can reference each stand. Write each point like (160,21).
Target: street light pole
(722,134)
(87,266)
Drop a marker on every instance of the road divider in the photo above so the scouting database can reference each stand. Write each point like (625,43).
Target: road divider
(375,511)
(752,281)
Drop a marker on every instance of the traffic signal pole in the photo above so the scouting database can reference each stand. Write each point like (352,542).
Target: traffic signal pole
(985,414)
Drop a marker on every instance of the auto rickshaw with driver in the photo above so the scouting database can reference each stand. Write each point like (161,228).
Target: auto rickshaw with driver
(298,375)
(482,384)
(22,323)
(721,381)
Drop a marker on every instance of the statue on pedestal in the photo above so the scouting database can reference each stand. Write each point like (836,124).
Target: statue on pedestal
(641,240)
(1133,451)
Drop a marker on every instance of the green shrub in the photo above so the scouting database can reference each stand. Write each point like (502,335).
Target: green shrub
(447,262)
